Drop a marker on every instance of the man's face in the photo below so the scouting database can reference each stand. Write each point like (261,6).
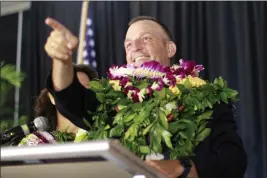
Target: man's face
(146,40)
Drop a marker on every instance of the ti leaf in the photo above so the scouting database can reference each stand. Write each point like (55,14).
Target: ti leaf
(144,149)
(202,135)
(131,132)
(116,131)
(204,116)
(163,119)
(155,139)
(147,129)
(167,138)
(95,85)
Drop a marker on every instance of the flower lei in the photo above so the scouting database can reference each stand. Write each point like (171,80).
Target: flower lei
(54,137)
(155,108)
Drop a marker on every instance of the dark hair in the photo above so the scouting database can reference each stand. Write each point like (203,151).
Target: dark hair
(88,70)
(163,26)
(43,105)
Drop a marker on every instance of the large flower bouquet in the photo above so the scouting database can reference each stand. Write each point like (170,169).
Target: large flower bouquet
(151,109)
(155,108)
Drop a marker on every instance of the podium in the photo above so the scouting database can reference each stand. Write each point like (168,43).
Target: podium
(91,159)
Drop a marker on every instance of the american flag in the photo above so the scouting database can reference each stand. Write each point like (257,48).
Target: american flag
(89,54)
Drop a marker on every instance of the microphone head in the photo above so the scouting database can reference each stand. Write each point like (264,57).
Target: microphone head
(41,123)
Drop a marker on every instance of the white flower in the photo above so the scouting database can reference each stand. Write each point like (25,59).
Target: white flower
(141,94)
(170,106)
(154,86)
(130,94)
(122,71)
(166,81)
(175,67)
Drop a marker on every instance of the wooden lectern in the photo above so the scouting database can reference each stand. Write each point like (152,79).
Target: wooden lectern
(92,159)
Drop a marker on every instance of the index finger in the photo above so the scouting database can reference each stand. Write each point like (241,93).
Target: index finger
(55,25)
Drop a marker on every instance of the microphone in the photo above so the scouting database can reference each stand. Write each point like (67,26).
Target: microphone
(38,124)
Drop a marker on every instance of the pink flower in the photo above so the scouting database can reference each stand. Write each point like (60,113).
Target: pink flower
(124,81)
(150,91)
(171,78)
(153,65)
(190,67)
(161,84)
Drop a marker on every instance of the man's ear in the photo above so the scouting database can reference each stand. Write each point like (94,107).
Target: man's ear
(51,98)
(171,49)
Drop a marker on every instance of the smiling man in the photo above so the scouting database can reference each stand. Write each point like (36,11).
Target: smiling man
(148,40)
(220,155)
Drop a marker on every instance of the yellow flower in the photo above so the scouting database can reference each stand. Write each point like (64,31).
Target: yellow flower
(128,84)
(175,89)
(194,81)
(115,84)
(178,80)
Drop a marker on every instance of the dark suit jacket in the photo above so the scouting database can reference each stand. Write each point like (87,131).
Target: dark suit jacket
(220,155)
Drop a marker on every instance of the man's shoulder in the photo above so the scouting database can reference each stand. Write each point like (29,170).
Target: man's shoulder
(222,109)
(223,117)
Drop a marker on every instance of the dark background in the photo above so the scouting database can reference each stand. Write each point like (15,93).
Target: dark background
(228,38)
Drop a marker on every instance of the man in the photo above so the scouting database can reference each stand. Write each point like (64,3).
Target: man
(220,155)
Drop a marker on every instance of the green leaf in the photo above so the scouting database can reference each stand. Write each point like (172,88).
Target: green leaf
(87,123)
(95,85)
(175,126)
(136,106)
(209,104)
(181,142)
(183,135)
(100,97)
(163,119)
(147,129)
(230,92)
(143,85)
(118,118)
(190,129)
(10,75)
(129,117)
(131,132)
(167,138)
(100,107)
(187,84)
(161,94)
(106,127)
(219,81)
(103,135)
(204,116)
(183,89)
(123,102)
(144,149)
(116,131)
(155,139)
(223,97)
(141,116)
(201,136)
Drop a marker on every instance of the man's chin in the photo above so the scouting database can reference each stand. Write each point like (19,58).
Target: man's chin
(141,61)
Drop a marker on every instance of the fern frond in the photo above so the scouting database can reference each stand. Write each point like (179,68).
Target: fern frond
(9,74)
